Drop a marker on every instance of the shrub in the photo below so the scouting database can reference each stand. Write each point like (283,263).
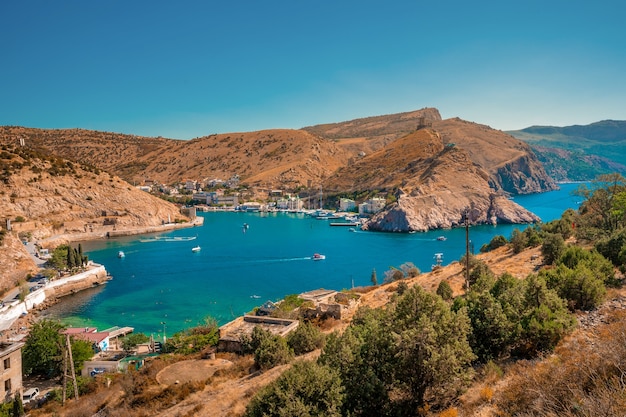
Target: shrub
(444,290)
(306,338)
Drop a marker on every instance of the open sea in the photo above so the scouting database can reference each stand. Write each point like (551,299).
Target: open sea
(162,286)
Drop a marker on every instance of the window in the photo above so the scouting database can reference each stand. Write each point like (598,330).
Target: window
(7,363)
(7,385)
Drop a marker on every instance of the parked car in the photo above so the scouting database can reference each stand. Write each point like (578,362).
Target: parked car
(30,394)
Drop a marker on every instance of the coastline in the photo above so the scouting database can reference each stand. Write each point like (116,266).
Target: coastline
(66,238)
(14,326)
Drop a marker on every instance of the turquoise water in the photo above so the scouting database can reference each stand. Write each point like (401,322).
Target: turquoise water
(161,285)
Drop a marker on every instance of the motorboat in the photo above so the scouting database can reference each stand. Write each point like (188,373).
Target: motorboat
(318,257)
(121,254)
(442,238)
(195,249)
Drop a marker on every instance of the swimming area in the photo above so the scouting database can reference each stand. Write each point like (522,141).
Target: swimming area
(161,285)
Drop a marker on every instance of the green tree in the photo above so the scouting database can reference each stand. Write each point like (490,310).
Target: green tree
(496,242)
(373,278)
(518,241)
(82,351)
(603,207)
(43,350)
(17,409)
(272,351)
(552,248)
(306,389)
(364,357)
(58,258)
(195,339)
(444,290)
(433,351)
(306,338)
(130,342)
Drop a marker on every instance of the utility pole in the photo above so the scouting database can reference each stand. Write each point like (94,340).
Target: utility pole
(467,248)
(67,357)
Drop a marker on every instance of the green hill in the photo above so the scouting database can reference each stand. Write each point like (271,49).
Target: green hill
(579,152)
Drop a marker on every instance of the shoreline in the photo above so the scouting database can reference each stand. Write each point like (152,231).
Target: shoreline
(66,238)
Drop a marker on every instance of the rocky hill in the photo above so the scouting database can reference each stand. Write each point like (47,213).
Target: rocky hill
(347,157)
(43,196)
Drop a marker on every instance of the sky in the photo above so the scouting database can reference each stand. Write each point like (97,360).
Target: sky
(192,68)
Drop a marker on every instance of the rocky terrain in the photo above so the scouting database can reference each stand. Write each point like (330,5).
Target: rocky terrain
(49,200)
(432,168)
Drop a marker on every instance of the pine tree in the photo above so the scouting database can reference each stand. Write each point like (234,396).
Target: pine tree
(374,279)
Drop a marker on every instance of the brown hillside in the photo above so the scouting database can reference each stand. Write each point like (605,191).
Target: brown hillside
(44,196)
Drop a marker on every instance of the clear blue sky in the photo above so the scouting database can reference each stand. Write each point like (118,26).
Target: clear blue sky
(192,68)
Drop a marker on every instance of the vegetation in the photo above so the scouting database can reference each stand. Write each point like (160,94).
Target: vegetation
(195,339)
(44,350)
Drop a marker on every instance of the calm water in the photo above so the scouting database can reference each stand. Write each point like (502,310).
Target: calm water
(162,285)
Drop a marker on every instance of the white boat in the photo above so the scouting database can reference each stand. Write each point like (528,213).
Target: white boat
(442,238)
(121,254)
(195,249)
(318,257)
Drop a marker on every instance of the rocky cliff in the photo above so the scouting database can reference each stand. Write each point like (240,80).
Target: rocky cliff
(433,184)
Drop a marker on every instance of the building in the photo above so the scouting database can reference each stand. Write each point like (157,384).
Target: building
(99,340)
(373,205)
(232,334)
(291,204)
(11,370)
(345,204)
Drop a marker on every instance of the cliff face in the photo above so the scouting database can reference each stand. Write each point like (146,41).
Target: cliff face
(434,183)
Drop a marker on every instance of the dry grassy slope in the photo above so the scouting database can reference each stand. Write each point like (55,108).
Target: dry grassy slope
(401,162)
(114,152)
(74,201)
(274,158)
(284,158)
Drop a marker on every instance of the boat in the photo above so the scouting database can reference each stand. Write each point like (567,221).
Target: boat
(442,238)
(195,249)
(318,257)
(121,254)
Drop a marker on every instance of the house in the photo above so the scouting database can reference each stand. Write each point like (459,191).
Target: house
(371,206)
(11,369)
(345,204)
(99,340)
(328,303)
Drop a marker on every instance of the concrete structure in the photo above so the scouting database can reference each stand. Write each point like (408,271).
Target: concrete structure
(231,334)
(345,204)
(11,369)
(328,303)
(371,206)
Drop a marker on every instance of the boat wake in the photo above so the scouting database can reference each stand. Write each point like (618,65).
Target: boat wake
(168,239)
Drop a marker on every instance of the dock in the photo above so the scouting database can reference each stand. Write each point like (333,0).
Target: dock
(351,224)
(119,331)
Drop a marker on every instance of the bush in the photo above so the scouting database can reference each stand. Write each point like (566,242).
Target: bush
(552,248)
(306,338)
(444,290)
(496,242)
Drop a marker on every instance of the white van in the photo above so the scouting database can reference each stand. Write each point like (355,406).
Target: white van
(29,395)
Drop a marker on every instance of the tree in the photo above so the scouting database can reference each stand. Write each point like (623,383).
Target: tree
(17,407)
(552,248)
(518,241)
(496,242)
(130,342)
(306,338)
(272,350)
(306,389)
(433,351)
(374,279)
(82,351)
(444,290)
(43,350)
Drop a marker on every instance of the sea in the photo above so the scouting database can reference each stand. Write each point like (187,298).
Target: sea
(161,286)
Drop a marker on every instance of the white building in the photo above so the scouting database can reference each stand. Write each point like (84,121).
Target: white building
(371,206)
(345,204)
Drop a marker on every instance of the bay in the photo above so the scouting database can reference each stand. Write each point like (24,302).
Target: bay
(162,286)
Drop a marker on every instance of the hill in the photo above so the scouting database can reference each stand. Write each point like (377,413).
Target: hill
(345,158)
(42,196)
(578,152)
